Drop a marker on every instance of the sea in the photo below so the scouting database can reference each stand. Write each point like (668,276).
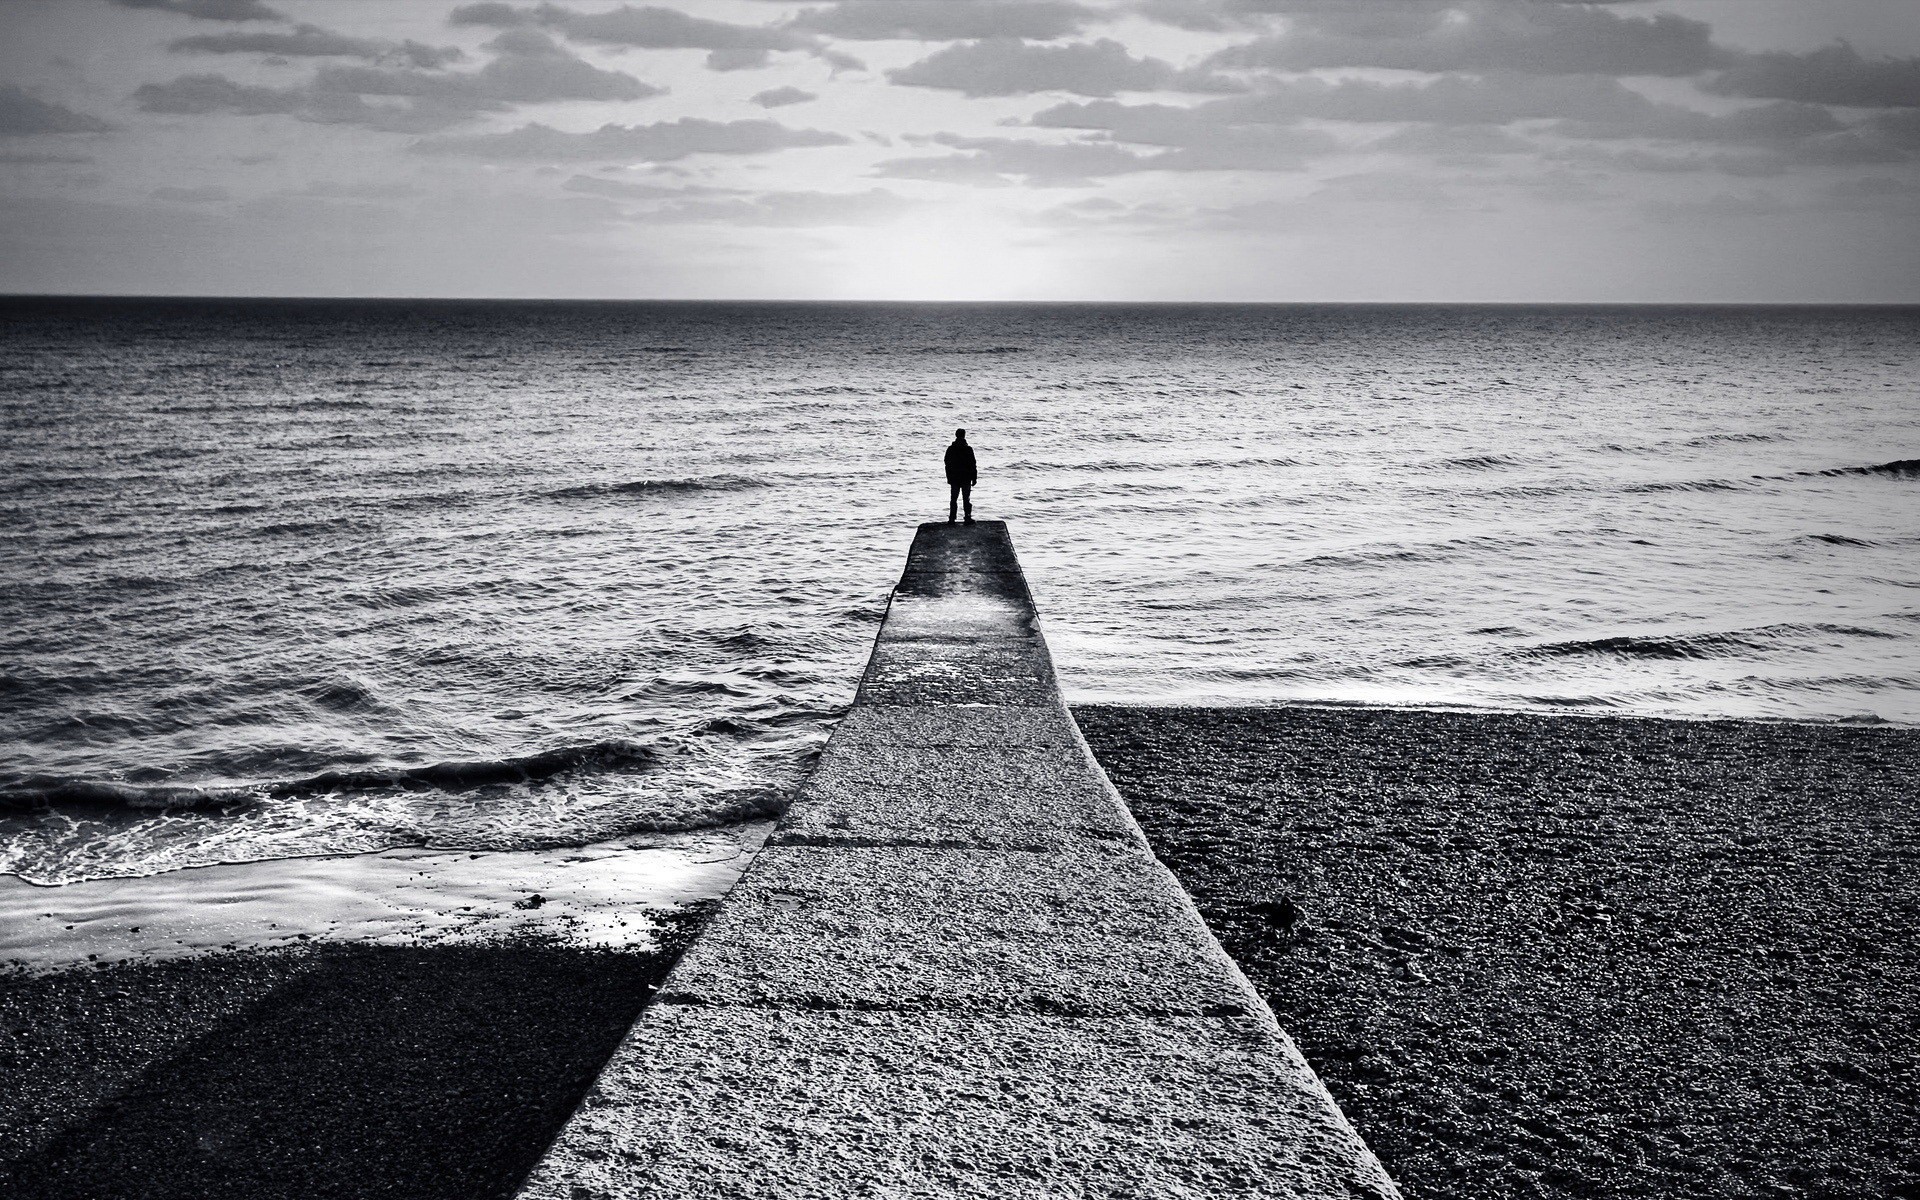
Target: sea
(289,579)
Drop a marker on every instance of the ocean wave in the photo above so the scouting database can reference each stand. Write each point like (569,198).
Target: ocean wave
(1478,462)
(1691,485)
(1715,644)
(951,350)
(1838,539)
(1433,552)
(1711,439)
(1900,468)
(829,389)
(661,487)
(43,792)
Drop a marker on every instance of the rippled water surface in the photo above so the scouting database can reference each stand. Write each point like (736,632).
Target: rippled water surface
(312,577)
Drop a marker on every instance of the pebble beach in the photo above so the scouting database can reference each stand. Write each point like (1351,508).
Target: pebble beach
(1565,956)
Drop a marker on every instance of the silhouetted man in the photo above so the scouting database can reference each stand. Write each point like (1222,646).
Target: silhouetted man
(962,474)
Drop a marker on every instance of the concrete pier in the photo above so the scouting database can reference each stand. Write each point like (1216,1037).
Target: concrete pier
(957,970)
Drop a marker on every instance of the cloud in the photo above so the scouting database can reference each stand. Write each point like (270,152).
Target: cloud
(530,68)
(991,161)
(1457,115)
(1779,122)
(1481,35)
(1450,100)
(1452,140)
(1721,206)
(661,142)
(209,10)
(621,189)
(947,20)
(329,190)
(311,41)
(1835,74)
(730,47)
(209,194)
(1872,193)
(1670,161)
(39,159)
(1011,67)
(995,161)
(780,97)
(199,94)
(792,210)
(23,114)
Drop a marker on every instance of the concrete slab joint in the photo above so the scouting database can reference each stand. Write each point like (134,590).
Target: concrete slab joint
(957,969)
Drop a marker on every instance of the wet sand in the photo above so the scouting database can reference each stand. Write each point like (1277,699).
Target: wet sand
(1566,957)
(343,1069)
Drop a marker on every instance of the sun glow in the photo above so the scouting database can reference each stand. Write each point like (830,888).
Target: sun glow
(952,252)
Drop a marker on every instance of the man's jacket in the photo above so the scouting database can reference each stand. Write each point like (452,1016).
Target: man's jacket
(961,471)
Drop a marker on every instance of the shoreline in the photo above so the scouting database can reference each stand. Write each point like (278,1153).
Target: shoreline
(1488,971)
(598,894)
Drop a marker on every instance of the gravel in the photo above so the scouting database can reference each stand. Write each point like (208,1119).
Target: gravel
(320,1071)
(1560,956)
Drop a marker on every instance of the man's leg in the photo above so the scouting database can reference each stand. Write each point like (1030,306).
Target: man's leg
(966,493)
(953,502)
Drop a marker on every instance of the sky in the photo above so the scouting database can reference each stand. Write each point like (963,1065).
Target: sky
(1175,150)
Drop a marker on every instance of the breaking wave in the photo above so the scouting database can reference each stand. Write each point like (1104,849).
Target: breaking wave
(661,487)
(1715,644)
(600,757)
(1900,468)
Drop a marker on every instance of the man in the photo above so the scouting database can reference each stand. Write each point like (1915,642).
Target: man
(962,474)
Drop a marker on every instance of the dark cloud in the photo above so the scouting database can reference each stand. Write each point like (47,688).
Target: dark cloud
(23,114)
(195,95)
(661,142)
(303,41)
(209,10)
(1836,74)
(780,97)
(1011,67)
(948,20)
(311,41)
(1481,35)
(529,68)
(730,47)
(1217,16)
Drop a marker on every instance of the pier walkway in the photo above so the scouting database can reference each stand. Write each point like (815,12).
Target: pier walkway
(956,969)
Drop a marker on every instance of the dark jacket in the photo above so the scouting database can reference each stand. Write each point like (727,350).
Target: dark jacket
(961,470)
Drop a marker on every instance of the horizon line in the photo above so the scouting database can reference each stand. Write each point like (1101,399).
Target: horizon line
(745,300)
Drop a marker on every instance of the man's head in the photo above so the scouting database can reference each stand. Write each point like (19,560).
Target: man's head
(959,435)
